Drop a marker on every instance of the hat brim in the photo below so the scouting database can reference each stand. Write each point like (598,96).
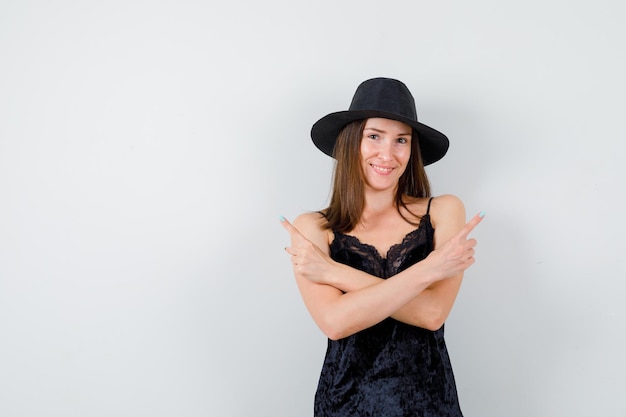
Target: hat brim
(433,144)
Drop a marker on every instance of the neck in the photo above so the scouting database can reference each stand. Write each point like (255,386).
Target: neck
(377,202)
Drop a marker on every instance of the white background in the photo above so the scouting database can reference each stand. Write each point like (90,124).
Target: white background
(148,148)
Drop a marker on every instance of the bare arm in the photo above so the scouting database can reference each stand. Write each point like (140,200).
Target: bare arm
(369,300)
(431,307)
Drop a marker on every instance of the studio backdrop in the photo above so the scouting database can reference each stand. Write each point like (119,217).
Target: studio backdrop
(148,149)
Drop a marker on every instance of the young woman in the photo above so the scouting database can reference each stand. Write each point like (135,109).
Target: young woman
(380,267)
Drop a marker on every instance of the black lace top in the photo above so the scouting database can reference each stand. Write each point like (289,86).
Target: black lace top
(391,369)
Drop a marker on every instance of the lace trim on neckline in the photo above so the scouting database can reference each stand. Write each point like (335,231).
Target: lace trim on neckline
(392,249)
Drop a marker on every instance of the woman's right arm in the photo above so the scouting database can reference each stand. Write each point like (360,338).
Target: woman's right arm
(340,314)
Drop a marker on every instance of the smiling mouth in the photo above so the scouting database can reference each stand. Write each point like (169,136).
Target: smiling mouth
(381,170)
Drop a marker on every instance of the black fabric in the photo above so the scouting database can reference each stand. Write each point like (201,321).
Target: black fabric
(391,369)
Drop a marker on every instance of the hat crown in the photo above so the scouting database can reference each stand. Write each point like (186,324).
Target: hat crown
(384,95)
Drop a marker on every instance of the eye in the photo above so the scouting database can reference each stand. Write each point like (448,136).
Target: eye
(403,140)
(373,136)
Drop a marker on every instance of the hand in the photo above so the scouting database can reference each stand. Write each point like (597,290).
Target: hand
(457,254)
(307,258)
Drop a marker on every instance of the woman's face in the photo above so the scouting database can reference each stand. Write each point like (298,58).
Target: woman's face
(385,152)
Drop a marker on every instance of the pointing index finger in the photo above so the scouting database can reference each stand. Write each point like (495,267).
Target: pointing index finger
(290,228)
(472,224)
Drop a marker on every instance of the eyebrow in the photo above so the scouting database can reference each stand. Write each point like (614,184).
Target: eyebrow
(382,131)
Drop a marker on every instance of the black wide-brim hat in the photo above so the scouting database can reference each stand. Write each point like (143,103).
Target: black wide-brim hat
(381,97)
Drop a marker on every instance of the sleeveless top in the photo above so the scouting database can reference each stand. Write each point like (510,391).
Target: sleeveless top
(391,369)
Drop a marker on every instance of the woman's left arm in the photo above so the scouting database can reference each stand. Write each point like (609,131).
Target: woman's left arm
(431,307)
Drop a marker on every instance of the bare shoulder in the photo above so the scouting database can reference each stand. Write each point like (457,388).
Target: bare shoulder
(310,221)
(447,211)
(447,202)
(311,225)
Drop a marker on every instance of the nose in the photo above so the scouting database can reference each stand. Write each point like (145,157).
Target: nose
(384,151)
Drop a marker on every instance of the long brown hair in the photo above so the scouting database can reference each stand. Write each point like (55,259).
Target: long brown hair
(348,196)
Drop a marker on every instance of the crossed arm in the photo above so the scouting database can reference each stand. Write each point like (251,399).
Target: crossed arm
(343,300)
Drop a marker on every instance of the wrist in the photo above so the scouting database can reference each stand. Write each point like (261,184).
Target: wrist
(333,274)
(429,274)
